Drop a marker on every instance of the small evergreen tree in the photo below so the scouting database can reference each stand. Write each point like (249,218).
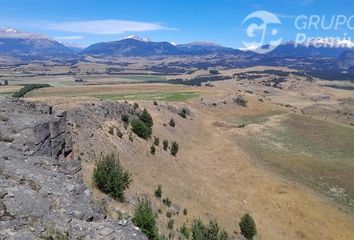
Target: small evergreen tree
(141,129)
(125,118)
(146,118)
(156,141)
(248,227)
(158,191)
(111,178)
(165,144)
(170,224)
(145,219)
(152,150)
(135,106)
(172,122)
(174,148)
(185,231)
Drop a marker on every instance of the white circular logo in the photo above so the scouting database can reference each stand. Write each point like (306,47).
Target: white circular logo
(261,31)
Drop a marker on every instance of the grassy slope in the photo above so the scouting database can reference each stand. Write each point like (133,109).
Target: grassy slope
(316,151)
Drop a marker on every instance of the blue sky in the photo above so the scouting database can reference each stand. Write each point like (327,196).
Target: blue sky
(85,22)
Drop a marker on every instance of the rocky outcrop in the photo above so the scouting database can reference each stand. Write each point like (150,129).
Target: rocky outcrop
(41,193)
(36,128)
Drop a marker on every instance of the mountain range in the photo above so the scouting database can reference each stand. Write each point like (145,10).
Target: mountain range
(20,44)
(17,43)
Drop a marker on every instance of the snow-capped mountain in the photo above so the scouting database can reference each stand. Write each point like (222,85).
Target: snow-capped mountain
(18,43)
(135,37)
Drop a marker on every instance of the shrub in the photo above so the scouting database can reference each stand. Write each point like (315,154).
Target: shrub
(172,122)
(111,178)
(156,141)
(174,148)
(170,224)
(28,88)
(159,210)
(155,102)
(169,214)
(167,202)
(111,130)
(135,106)
(158,191)
(248,227)
(165,144)
(211,231)
(152,150)
(125,118)
(145,219)
(141,129)
(183,113)
(146,118)
(185,212)
(185,231)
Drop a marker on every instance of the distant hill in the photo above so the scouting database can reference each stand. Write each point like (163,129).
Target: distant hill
(136,46)
(17,43)
(131,47)
(202,48)
(301,51)
(346,60)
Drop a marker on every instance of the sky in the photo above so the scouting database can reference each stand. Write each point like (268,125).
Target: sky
(84,22)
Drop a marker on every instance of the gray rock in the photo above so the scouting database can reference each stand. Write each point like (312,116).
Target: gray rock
(43,195)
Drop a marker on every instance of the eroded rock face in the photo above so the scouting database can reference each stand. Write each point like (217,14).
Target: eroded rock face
(41,193)
(36,128)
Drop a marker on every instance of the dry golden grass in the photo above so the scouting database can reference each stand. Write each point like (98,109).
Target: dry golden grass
(213,174)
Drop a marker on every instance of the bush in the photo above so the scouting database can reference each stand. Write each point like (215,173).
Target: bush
(155,102)
(111,130)
(169,214)
(135,106)
(185,231)
(172,122)
(141,129)
(125,118)
(248,227)
(185,212)
(111,178)
(170,224)
(146,118)
(152,150)
(28,88)
(174,148)
(165,144)
(145,219)
(183,113)
(167,202)
(156,141)
(158,191)
(212,231)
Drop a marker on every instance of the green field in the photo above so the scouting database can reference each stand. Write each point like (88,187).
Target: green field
(317,152)
(6,93)
(143,77)
(253,119)
(168,96)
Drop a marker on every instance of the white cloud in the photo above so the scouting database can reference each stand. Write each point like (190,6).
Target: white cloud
(69,38)
(108,26)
